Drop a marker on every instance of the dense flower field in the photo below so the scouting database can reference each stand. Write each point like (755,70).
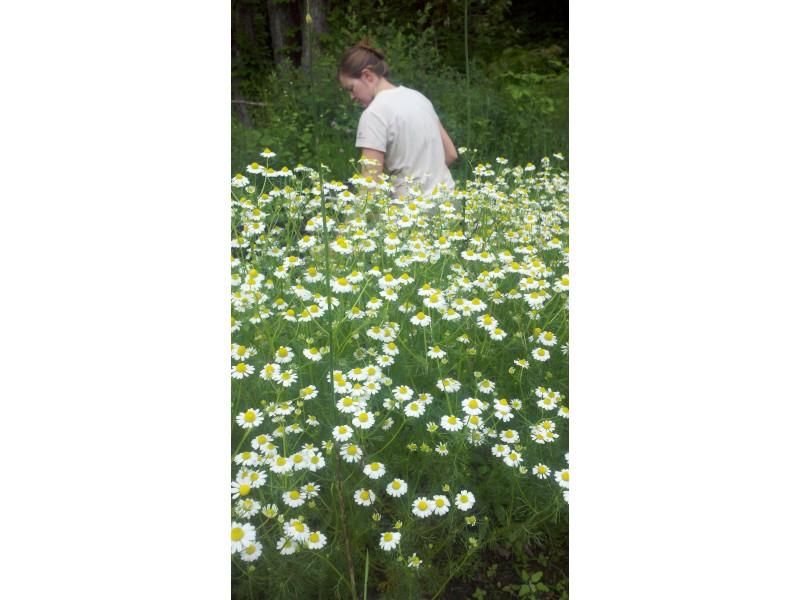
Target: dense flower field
(399,376)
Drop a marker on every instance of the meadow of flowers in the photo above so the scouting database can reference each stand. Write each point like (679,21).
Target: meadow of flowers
(399,377)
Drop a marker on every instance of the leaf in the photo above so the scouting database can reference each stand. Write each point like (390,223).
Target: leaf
(536,576)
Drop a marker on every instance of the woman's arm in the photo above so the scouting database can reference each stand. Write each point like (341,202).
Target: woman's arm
(450,152)
(374,162)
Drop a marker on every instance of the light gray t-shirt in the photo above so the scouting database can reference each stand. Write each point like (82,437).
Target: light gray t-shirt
(403,124)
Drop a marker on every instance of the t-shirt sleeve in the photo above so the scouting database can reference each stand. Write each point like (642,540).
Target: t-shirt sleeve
(372,132)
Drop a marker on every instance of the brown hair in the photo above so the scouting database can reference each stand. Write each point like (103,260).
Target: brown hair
(363,56)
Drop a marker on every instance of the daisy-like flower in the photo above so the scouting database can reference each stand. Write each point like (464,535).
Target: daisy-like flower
(562,477)
(402,393)
(486,386)
(293,498)
(239,181)
(563,411)
(414,409)
(440,505)
(312,354)
(240,489)
(422,507)
(473,406)
(310,490)
(342,433)
(242,534)
(451,423)
(342,246)
(287,546)
(547,338)
(448,385)
(436,352)
(487,322)
(509,436)
(348,404)
(315,462)
(283,355)
(296,530)
(251,552)
(388,541)
(364,420)
(308,392)
(391,349)
(500,450)
(341,285)
(316,540)
(241,352)
(541,471)
(420,319)
(267,153)
(351,453)
(441,449)
(270,371)
(247,459)
(414,561)
(364,497)
(374,303)
(252,417)
(513,459)
(287,378)
(242,370)
(247,507)
(464,500)
(396,488)
(280,465)
(374,470)
(540,354)
(497,334)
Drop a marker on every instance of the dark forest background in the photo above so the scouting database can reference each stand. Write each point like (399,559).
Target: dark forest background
(499,85)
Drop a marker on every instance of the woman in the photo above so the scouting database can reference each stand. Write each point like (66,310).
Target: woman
(399,132)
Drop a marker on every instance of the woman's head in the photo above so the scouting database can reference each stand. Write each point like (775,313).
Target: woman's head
(361,70)
(363,56)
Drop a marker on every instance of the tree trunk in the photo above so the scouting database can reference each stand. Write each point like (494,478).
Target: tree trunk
(279,23)
(317,10)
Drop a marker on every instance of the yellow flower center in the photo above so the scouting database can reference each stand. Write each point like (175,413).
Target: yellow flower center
(388,536)
(237,534)
(250,415)
(422,505)
(314,538)
(294,495)
(244,489)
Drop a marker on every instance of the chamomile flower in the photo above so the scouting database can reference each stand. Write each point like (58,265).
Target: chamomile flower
(420,319)
(351,453)
(283,355)
(312,354)
(451,423)
(500,450)
(252,417)
(375,470)
(562,477)
(540,354)
(280,465)
(464,500)
(547,338)
(296,530)
(440,504)
(293,498)
(287,546)
(342,433)
(364,420)
(287,378)
(402,393)
(364,497)
(436,352)
(240,489)
(414,409)
(251,552)
(486,386)
(563,411)
(541,471)
(414,561)
(473,406)
(316,540)
(509,436)
(242,370)
(513,459)
(242,534)
(422,507)
(396,488)
(448,385)
(247,507)
(389,540)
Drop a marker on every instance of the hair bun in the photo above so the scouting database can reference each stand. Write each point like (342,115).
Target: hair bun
(366,45)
